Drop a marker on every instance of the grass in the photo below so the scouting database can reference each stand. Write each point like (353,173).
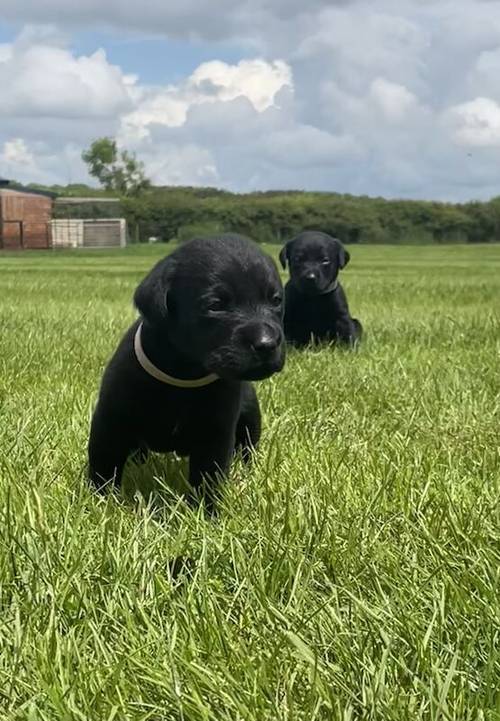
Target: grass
(354,572)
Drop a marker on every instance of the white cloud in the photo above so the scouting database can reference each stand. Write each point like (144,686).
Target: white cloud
(256,80)
(29,162)
(40,78)
(16,153)
(478,123)
(5,52)
(156,106)
(302,146)
(394,100)
(187,164)
(245,20)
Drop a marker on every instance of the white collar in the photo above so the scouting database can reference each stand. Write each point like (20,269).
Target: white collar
(155,372)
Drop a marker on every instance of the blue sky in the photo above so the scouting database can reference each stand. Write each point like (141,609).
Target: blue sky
(155,59)
(382,97)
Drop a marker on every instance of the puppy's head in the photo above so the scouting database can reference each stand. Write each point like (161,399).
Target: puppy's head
(315,260)
(219,301)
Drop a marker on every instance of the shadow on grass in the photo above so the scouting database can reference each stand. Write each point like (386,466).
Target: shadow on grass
(159,479)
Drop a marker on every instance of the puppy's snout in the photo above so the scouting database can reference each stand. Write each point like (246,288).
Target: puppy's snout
(310,278)
(266,340)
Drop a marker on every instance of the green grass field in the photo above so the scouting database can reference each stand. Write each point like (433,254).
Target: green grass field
(354,571)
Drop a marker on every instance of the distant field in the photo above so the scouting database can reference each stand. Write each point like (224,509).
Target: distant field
(354,572)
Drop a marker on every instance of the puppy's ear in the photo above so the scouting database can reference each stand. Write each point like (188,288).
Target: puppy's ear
(285,253)
(150,297)
(283,256)
(344,256)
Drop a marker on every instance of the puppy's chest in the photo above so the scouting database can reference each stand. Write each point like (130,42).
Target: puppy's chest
(317,316)
(171,427)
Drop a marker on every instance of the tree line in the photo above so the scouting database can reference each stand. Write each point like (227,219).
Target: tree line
(169,213)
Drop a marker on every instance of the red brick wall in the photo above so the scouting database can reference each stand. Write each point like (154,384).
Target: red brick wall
(33,211)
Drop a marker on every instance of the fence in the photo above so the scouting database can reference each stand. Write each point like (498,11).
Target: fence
(89,233)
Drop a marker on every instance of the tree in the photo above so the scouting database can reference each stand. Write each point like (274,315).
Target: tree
(116,170)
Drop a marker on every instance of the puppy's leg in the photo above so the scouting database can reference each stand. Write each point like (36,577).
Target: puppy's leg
(358,330)
(209,463)
(248,428)
(348,331)
(108,451)
(141,454)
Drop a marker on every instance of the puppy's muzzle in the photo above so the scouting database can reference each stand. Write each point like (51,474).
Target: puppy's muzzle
(310,282)
(256,351)
(267,341)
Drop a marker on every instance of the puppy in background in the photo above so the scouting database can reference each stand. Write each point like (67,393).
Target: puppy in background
(316,306)
(211,322)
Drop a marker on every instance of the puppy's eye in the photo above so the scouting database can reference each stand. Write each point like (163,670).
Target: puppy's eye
(325,262)
(276,299)
(219,305)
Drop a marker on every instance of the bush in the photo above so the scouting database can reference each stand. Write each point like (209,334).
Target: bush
(195,230)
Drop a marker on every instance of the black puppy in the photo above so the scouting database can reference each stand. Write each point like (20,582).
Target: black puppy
(315,303)
(211,320)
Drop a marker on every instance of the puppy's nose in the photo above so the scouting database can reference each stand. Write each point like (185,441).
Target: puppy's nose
(311,276)
(267,341)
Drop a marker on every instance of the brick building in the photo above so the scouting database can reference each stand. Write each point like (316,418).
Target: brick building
(25,217)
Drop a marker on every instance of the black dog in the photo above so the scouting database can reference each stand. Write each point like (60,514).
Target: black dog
(315,303)
(211,320)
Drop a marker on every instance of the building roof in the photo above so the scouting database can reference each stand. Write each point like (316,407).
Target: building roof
(71,200)
(6,187)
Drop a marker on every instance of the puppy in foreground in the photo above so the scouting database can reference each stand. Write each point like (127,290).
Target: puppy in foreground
(316,306)
(211,322)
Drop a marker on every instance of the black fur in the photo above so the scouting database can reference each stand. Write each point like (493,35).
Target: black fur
(316,306)
(215,305)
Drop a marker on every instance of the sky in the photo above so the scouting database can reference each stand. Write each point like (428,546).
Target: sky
(394,98)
